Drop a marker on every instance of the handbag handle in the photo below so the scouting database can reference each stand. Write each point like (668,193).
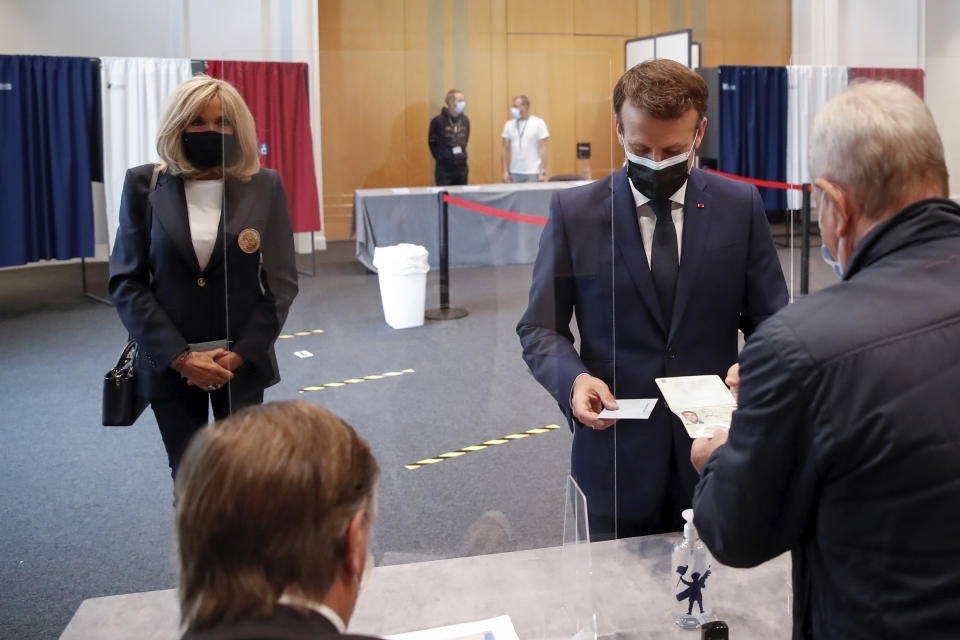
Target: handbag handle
(122,370)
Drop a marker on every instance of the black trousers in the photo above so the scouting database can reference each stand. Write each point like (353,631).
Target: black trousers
(182,416)
(450,176)
(677,497)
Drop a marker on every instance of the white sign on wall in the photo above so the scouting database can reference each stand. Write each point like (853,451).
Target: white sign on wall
(673,45)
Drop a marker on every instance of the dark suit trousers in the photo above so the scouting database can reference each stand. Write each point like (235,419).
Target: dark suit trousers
(182,416)
(677,496)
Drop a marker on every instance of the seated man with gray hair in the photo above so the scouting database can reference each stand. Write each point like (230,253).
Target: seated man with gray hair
(274,510)
(845,448)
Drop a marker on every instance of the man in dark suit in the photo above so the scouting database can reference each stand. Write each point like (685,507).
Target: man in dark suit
(274,512)
(661,264)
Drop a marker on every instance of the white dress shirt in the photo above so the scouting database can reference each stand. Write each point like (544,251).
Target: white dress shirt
(648,222)
(648,218)
(316,607)
(204,204)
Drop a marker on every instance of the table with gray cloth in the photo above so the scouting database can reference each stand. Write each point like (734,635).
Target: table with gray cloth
(385,217)
(628,583)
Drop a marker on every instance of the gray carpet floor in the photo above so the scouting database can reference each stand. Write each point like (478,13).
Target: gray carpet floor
(86,511)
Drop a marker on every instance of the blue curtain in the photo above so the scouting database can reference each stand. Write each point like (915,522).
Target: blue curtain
(48,108)
(753,126)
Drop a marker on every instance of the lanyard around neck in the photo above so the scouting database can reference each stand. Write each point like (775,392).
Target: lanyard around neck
(520,133)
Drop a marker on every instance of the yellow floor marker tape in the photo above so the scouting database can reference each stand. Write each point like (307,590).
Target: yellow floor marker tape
(343,383)
(480,447)
(286,336)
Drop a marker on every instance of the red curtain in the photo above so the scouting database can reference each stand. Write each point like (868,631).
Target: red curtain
(276,93)
(913,78)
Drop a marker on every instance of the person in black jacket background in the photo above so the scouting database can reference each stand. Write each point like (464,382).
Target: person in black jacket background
(448,137)
(845,444)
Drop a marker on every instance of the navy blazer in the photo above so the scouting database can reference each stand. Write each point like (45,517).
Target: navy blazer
(166,301)
(592,265)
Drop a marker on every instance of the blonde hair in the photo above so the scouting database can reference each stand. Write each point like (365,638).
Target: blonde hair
(264,502)
(187,102)
(878,140)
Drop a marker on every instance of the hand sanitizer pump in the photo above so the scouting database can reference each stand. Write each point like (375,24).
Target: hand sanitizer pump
(693,585)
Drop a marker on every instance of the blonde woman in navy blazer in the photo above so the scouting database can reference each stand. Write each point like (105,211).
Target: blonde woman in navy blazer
(174,291)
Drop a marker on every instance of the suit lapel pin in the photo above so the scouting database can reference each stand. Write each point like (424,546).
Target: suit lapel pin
(699,205)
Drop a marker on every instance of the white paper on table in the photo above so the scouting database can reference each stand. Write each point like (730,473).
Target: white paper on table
(499,628)
(703,403)
(632,409)
(472,187)
(400,190)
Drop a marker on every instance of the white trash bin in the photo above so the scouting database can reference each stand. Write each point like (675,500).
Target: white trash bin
(402,271)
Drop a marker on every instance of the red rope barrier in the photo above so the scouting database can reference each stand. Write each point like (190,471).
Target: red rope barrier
(761,183)
(491,211)
(537,220)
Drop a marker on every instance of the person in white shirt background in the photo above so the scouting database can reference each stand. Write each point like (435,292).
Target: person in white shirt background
(526,145)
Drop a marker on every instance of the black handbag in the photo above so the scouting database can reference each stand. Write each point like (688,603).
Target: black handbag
(121,404)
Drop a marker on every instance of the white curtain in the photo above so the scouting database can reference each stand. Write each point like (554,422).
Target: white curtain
(808,89)
(134,93)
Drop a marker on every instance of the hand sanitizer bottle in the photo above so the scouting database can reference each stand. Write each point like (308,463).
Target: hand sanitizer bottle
(692,582)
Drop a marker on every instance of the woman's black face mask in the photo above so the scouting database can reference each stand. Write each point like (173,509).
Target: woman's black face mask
(209,149)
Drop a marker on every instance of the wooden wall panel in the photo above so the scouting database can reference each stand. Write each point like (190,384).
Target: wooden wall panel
(360,25)
(597,66)
(757,33)
(540,67)
(605,17)
(382,63)
(417,109)
(361,45)
(714,40)
(480,101)
(661,18)
(747,32)
(540,16)
(644,17)
(499,93)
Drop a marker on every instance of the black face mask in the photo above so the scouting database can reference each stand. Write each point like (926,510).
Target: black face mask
(657,184)
(659,180)
(209,149)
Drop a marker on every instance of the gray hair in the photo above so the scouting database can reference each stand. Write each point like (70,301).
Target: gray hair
(878,141)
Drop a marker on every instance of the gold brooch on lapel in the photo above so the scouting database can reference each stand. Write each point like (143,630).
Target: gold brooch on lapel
(249,240)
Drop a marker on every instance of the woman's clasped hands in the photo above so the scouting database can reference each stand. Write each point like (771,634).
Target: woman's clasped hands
(208,370)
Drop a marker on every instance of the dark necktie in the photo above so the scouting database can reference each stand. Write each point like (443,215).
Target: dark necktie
(664,257)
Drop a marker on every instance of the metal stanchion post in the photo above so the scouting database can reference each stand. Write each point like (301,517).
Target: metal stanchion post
(805,242)
(313,259)
(445,312)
